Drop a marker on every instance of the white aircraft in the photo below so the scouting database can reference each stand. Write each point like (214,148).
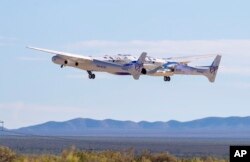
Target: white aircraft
(130,65)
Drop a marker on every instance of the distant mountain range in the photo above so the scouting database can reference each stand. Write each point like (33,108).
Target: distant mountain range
(206,127)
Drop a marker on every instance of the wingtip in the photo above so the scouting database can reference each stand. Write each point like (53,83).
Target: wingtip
(30,47)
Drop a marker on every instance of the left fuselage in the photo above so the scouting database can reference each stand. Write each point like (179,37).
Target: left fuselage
(117,62)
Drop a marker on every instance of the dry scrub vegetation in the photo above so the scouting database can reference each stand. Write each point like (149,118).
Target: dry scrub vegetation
(74,155)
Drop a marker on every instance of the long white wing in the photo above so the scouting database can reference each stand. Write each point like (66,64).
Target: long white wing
(188,59)
(65,55)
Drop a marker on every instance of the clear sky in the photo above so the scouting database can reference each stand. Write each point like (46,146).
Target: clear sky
(34,90)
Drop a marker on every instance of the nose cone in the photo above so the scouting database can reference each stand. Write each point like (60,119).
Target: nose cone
(58,60)
(53,59)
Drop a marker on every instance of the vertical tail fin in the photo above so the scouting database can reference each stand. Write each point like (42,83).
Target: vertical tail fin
(142,58)
(212,71)
(138,65)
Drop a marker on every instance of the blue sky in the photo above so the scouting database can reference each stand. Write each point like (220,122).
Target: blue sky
(34,90)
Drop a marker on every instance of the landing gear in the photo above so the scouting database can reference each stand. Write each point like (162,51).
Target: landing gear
(91,75)
(167,78)
(62,66)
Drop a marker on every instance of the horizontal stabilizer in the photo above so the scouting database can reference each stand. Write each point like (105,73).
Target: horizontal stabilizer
(188,59)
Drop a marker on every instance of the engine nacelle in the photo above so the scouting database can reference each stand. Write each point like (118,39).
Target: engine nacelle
(144,71)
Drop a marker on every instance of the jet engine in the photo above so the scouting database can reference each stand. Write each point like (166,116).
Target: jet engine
(144,71)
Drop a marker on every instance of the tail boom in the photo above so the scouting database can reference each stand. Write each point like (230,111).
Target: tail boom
(208,71)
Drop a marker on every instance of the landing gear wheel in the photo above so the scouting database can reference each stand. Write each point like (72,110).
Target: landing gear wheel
(91,75)
(167,78)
